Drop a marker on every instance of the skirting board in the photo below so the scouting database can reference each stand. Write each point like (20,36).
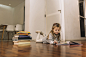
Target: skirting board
(82,38)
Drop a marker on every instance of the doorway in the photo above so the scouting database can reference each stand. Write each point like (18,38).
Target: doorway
(81,12)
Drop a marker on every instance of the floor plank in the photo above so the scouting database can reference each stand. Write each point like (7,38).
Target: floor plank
(7,49)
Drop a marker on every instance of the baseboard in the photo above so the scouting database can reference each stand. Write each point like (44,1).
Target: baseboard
(77,39)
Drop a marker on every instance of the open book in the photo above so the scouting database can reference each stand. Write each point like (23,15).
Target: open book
(69,43)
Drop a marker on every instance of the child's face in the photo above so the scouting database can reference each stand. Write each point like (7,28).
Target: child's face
(56,30)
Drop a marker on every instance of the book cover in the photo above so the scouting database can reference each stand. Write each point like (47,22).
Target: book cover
(23,36)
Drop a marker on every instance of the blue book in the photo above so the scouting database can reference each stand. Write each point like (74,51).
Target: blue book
(23,36)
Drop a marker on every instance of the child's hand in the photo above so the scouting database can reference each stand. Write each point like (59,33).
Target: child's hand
(55,42)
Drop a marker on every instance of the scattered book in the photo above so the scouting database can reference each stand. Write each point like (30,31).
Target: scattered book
(69,43)
(21,42)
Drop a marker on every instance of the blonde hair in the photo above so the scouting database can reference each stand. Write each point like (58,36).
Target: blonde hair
(54,25)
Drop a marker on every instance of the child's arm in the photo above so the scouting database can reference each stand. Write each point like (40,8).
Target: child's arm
(58,38)
(50,40)
(55,42)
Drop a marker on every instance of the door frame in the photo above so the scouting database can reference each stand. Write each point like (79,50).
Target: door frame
(62,21)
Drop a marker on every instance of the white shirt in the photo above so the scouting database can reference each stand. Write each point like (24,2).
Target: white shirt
(50,40)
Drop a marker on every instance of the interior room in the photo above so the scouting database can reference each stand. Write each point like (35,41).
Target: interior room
(42,28)
(12,12)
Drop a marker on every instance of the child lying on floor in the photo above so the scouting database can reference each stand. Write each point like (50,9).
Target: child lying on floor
(54,35)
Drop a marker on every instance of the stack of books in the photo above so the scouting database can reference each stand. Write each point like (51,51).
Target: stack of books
(22,37)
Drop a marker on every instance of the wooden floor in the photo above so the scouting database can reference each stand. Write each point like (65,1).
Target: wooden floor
(7,49)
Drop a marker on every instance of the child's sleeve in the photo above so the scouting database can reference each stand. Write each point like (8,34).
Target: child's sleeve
(50,40)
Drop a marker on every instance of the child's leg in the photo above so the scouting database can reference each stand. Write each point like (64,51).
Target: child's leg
(38,36)
(38,39)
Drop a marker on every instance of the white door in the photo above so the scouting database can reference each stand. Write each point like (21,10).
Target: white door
(53,13)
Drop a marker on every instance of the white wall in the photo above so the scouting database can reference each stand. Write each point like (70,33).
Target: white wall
(27,14)
(35,19)
(72,22)
(6,14)
(12,15)
(19,14)
(52,13)
(85,8)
